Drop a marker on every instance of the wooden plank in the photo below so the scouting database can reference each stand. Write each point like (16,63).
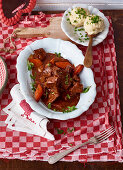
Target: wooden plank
(52,31)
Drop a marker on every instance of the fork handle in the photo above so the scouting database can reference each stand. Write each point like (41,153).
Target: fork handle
(53,159)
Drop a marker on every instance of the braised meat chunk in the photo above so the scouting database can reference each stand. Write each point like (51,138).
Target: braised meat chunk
(40,53)
(65,80)
(76,88)
(51,82)
(56,80)
(47,72)
(53,95)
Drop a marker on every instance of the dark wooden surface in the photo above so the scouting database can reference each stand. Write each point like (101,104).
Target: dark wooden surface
(117,20)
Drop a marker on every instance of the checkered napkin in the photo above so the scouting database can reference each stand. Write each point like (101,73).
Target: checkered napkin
(105,110)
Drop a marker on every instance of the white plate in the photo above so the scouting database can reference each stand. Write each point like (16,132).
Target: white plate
(69,29)
(68,51)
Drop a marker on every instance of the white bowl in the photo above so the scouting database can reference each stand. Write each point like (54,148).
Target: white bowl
(68,29)
(68,51)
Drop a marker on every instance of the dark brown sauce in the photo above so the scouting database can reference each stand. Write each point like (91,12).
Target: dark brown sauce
(62,102)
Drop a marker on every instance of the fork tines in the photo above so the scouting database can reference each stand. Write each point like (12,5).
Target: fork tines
(105,134)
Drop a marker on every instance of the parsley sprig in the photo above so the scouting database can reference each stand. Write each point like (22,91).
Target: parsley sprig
(85,90)
(70,130)
(81,11)
(68,96)
(66,79)
(95,19)
(69,109)
(46,93)
(33,86)
(60,131)
(32,77)
(29,65)
(49,106)
(58,54)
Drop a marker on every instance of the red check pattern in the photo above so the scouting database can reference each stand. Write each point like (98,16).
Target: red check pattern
(2,73)
(105,110)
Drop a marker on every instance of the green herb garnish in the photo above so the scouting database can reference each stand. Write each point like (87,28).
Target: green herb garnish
(85,90)
(86,38)
(33,86)
(49,64)
(71,79)
(70,130)
(70,109)
(68,19)
(81,40)
(29,65)
(79,16)
(58,54)
(75,29)
(81,35)
(68,96)
(70,144)
(95,19)
(46,93)
(66,79)
(81,29)
(69,13)
(81,11)
(66,82)
(49,105)
(75,21)
(32,77)
(86,35)
(59,131)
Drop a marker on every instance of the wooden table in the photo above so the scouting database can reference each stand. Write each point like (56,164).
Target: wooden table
(117,19)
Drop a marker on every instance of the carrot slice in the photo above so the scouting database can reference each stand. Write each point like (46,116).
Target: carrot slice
(31,56)
(78,69)
(62,64)
(52,61)
(38,92)
(36,62)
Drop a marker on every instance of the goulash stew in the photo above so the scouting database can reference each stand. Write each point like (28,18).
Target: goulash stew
(56,81)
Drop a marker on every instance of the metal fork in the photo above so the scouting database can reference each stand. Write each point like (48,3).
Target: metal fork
(93,140)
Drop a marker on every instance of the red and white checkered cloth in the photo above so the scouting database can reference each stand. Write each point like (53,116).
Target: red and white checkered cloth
(2,73)
(104,111)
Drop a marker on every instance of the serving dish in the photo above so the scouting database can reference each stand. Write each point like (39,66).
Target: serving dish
(68,51)
(3,74)
(74,35)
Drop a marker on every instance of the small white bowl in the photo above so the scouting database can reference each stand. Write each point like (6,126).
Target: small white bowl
(68,51)
(68,29)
